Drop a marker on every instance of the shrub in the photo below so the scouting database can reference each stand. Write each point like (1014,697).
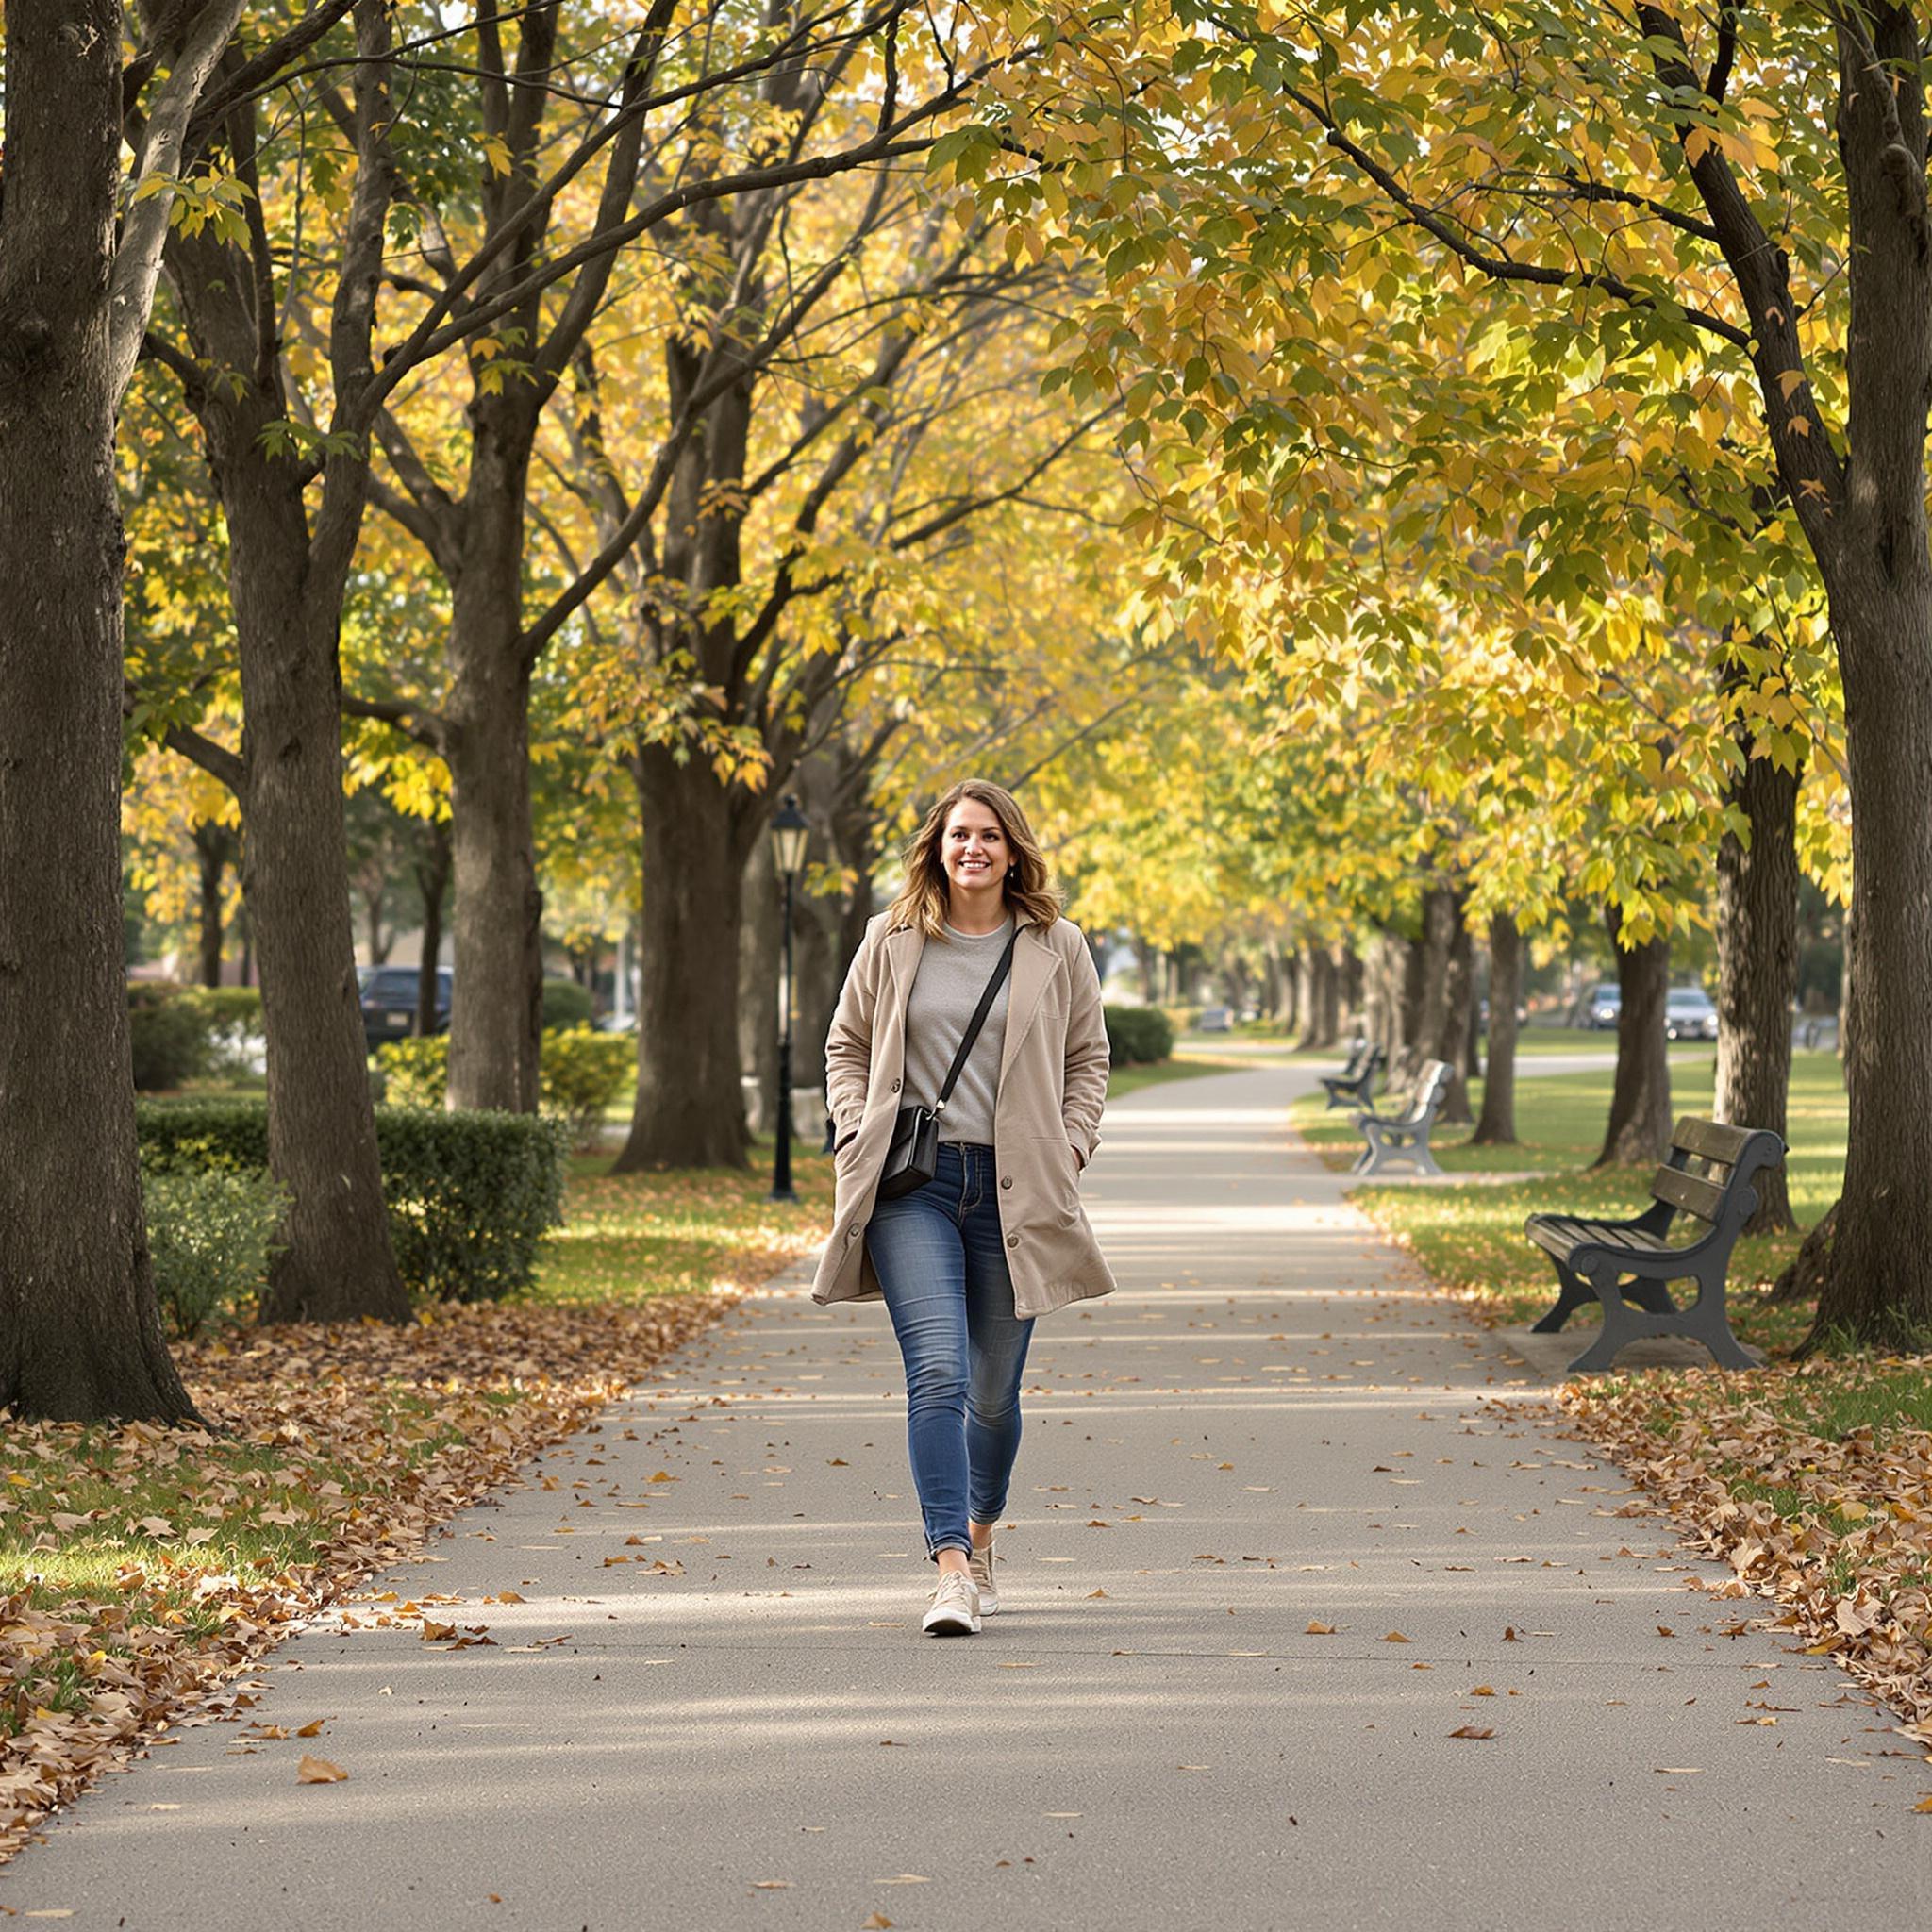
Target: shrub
(583,1071)
(471,1196)
(168,1034)
(415,1072)
(566,1004)
(211,1234)
(1137,1035)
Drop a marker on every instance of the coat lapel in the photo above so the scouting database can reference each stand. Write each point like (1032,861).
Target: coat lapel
(903,949)
(1034,966)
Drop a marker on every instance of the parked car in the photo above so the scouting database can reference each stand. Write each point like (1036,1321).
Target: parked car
(1214,1020)
(1689,1014)
(1605,1006)
(388,1001)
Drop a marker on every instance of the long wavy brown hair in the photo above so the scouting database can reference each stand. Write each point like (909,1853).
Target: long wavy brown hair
(924,898)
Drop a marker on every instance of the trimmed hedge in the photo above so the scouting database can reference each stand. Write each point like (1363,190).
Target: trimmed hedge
(580,1074)
(168,1035)
(471,1196)
(1137,1036)
(566,1004)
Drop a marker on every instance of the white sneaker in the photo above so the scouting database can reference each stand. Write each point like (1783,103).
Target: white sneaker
(980,1563)
(954,1610)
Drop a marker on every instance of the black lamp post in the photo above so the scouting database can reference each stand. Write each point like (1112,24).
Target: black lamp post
(789,834)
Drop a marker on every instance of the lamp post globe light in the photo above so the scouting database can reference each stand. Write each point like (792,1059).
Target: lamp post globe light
(789,834)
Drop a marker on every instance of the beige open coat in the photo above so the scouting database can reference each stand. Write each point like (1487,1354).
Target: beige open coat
(1052,1087)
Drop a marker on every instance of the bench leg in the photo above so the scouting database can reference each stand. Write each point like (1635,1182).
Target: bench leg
(1621,1327)
(1706,1321)
(1574,1292)
(1419,1153)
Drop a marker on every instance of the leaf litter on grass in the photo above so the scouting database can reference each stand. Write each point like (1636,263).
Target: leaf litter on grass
(1814,1484)
(332,1454)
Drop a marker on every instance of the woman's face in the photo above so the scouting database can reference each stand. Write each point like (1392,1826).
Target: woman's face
(974,849)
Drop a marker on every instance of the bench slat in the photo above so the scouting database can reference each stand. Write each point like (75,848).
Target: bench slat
(1689,1192)
(1710,1139)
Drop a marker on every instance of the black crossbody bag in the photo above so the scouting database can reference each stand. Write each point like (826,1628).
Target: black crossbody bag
(913,1157)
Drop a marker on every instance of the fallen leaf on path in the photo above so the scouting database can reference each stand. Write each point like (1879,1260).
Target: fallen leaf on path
(1395,1636)
(878,1923)
(319,1771)
(1316,1628)
(1478,1731)
(313,1728)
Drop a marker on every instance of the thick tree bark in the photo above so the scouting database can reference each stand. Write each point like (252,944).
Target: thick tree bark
(1758,966)
(688,1111)
(1497,1125)
(1879,1287)
(213,847)
(80,1337)
(287,581)
(1639,1125)
(497,1023)
(432,869)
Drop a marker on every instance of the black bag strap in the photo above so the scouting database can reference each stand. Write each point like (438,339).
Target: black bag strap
(978,1020)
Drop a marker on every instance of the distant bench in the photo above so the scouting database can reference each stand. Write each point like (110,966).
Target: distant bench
(1619,1262)
(1355,1083)
(1405,1136)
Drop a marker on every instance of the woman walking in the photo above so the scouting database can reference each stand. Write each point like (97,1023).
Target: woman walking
(971,997)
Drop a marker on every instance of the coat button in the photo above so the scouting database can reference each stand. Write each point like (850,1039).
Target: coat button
(850,1234)
(895,1086)
(1006,1181)
(1012,1240)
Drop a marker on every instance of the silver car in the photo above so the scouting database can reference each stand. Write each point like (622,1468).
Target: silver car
(1689,1014)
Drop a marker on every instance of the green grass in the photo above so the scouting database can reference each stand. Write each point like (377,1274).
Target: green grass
(1125,1080)
(1470,1240)
(680,1232)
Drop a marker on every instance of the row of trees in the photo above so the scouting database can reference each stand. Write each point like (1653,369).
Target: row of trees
(1533,401)
(541,401)
(582,430)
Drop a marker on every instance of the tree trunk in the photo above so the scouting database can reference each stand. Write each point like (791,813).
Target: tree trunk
(287,581)
(688,1111)
(432,869)
(379,941)
(1451,1044)
(337,1263)
(496,1023)
(1331,997)
(1639,1125)
(80,1337)
(1879,1287)
(1354,981)
(1317,973)
(1415,979)
(1441,923)
(760,920)
(213,844)
(1497,1125)
(1757,967)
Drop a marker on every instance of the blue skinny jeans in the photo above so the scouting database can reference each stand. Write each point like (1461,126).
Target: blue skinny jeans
(939,1257)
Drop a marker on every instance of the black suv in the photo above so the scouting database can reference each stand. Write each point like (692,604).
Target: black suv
(388,1001)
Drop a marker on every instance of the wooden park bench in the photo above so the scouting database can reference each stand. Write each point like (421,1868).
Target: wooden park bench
(1355,1083)
(1620,1262)
(1405,1136)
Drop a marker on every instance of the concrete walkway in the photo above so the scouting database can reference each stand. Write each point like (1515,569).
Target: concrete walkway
(1280,1522)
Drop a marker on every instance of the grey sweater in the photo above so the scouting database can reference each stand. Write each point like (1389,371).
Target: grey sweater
(953,971)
